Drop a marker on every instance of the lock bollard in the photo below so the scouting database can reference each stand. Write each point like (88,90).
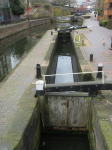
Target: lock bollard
(100,68)
(51,32)
(55,28)
(111,44)
(38,71)
(82,42)
(91,57)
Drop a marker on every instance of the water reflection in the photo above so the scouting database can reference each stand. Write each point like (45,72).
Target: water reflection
(63,61)
(16,47)
(12,52)
(64,25)
(64,66)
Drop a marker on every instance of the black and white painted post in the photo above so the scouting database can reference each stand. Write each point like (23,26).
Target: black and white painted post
(100,68)
(91,57)
(51,32)
(82,42)
(40,88)
(38,71)
(111,44)
(39,83)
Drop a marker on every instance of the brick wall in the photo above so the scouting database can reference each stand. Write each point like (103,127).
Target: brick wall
(10,30)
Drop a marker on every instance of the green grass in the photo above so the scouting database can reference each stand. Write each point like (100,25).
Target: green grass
(77,39)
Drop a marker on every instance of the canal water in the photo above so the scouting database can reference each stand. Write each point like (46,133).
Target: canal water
(63,61)
(64,64)
(64,142)
(14,48)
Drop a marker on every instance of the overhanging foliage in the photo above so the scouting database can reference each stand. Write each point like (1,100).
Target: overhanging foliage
(17,7)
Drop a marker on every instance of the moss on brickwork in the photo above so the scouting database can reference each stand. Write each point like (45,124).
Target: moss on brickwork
(49,55)
(22,130)
(106,129)
(82,63)
(38,134)
(91,134)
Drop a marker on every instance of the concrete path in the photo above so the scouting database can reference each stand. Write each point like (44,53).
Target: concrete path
(18,82)
(102,104)
(101,54)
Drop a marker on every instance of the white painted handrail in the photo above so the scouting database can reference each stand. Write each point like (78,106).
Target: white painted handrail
(74,74)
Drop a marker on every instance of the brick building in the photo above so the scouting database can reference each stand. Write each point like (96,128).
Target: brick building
(108,9)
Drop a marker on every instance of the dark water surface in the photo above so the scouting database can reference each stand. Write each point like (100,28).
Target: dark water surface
(64,142)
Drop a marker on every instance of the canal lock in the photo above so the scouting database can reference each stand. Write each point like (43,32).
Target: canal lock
(66,122)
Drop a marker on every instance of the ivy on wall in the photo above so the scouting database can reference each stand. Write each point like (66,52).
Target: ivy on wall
(17,7)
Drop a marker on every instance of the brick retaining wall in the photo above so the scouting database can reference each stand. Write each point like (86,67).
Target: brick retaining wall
(10,30)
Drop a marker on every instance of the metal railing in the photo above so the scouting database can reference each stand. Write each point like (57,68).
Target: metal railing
(76,74)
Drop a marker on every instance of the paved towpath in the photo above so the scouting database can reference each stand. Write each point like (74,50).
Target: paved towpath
(101,54)
(18,82)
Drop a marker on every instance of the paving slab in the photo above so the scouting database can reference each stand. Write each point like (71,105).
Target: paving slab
(101,54)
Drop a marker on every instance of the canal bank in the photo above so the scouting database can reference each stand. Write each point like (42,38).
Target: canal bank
(12,29)
(17,48)
(15,111)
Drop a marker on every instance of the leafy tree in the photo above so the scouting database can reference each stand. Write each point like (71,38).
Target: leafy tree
(100,7)
(17,7)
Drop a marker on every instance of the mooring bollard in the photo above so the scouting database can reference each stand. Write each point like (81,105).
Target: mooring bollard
(38,71)
(100,68)
(82,42)
(91,57)
(51,32)
(55,28)
(111,44)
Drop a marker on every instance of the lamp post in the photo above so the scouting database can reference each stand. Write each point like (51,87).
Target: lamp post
(27,9)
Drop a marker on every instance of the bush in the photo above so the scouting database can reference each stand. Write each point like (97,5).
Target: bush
(46,7)
(104,23)
(58,12)
(95,12)
(100,21)
(17,7)
(109,24)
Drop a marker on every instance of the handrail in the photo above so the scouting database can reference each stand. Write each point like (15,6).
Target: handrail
(74,74)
